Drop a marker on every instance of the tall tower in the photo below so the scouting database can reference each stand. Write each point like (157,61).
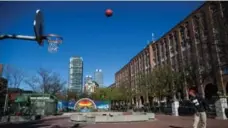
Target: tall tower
(98,77)
(76,74)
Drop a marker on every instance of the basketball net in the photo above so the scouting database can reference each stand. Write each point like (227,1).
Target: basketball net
(53,44)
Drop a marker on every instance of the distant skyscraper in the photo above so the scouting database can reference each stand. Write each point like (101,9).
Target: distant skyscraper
(98,77)
(76,74)
(88,78)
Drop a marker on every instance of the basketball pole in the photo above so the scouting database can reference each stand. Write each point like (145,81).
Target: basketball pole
(19,37)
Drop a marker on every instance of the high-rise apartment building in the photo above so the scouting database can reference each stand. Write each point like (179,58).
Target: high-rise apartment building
(113,85)
(76,74)
(197,41)
(98,77)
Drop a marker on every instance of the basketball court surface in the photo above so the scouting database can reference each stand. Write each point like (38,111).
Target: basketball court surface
(162,121)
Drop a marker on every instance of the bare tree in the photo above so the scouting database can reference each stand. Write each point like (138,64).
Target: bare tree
(14,76)
(62,95)
(72,95)
(63,91)
(46,81)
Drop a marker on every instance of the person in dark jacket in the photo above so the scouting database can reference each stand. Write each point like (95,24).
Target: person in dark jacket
(200,106)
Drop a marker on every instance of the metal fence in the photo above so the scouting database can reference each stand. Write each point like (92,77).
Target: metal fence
(185,108)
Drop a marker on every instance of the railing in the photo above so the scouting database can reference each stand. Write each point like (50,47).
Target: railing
(185,109)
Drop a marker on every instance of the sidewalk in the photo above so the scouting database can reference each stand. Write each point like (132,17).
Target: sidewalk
(165,121)
(186,122)
(162,121)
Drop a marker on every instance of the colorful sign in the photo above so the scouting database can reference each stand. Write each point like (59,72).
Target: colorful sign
(62,105)
(85,105)
(103,105)
(71,104)
(66,105)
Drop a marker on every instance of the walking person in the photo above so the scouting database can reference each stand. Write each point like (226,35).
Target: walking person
(200,107)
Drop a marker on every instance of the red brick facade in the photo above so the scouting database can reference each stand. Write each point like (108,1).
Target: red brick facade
(191,42)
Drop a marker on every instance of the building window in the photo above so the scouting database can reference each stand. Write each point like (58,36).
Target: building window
(177,47)
(163,49)
(196,22)
(187,30)
(172,50)
(171,40)
(203,21)
(182,35)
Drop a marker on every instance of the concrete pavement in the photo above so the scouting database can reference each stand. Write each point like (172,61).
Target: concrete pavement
(162,121)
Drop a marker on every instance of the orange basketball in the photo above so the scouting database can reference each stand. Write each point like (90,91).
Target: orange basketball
(108,12)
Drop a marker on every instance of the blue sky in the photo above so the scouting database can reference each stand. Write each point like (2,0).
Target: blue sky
(105,43)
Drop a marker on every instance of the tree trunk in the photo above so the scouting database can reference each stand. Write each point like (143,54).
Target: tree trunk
(159,102)
(186,91)
(153,104)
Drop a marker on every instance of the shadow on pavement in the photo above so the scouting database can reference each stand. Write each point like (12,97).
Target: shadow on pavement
(171,126)
(74,126)
(50,123)
(32,124)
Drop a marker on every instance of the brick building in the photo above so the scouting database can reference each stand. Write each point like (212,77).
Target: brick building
(113,85)
(198,41)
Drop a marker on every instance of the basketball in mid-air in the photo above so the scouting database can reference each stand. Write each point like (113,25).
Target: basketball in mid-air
(108,12)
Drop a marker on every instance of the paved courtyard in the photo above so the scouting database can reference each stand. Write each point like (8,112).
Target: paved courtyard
(162,121)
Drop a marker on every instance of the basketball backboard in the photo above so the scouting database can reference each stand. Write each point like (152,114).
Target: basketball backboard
(39,27)
(53,40)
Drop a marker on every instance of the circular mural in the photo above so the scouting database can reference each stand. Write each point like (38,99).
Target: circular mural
(85,105)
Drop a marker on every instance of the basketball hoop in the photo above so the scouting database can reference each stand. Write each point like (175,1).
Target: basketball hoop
(53,42)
